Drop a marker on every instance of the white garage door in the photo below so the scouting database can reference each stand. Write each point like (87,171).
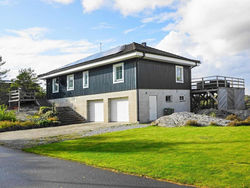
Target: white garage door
(96,111)
(119,110)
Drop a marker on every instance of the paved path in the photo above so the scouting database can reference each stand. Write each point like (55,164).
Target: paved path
(27,138)
(25,170)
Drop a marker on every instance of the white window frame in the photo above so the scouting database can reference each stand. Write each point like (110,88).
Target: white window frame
(183,98)
(53,85)
(115,81)
(68,77)
(83,79)
(182,74)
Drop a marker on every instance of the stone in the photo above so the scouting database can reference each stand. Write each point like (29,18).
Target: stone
(179,119)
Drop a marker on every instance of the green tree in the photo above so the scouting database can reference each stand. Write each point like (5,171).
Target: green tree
(3,73)
(4,87)
(26,80)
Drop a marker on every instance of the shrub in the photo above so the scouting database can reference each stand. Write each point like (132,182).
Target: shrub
(192,123)
(49,114)
(212,123)
(6,115)
(44,109)
(44,122)
(235,123)
(53,118)
(212,114)
(233,117)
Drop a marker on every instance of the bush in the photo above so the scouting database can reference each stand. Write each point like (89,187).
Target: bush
(235,123)
(53,118)
(49,114)
(6,115)
(192,123)
(213,124)
(233,117)
(212,114)
(44,109)
(14,124)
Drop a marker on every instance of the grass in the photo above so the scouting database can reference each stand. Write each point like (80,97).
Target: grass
(207,156)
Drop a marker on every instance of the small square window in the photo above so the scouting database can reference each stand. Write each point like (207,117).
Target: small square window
(168,98)
(182,98)
(118,73)
(55,85)
(70,82)
(85,79)
(179,74)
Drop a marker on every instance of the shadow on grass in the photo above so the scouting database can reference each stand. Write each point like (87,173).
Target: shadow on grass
(111,144)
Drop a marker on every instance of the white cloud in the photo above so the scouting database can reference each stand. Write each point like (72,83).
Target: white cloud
(28,48)
(133,29)
(136,6)
(217,32)
(125,7)
(65,2)
(162,17)
(91,5)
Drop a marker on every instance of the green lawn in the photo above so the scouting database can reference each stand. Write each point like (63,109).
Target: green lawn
(205,156)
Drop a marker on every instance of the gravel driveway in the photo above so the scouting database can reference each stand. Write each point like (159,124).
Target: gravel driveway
(27,138)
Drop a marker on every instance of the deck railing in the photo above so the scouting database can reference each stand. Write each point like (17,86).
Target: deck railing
(214,82)
(21,96)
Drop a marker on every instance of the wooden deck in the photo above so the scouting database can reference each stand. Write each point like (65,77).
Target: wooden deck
(19,96)
(217,92)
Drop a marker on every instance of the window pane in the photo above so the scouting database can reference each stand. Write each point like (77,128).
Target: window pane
(119,73)
(179,74)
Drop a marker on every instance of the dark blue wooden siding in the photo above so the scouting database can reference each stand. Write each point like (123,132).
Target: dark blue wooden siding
(100,81)
(161,75)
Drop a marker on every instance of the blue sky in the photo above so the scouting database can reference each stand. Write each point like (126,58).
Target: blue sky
(46,34)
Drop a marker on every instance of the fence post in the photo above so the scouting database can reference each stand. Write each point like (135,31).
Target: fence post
(202,83)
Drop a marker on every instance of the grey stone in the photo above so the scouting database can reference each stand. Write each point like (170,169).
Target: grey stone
(179,119)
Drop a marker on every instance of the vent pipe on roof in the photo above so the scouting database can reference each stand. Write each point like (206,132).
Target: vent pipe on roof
(144,44)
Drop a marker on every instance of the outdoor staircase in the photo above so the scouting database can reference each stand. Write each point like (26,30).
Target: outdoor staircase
(67,116)
(43,102)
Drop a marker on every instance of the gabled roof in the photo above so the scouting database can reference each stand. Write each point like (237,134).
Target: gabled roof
(120,51)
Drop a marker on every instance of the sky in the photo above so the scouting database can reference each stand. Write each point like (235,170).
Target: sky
(47,34)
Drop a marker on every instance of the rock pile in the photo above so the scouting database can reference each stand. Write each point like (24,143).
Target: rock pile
(242,114)
(179,119)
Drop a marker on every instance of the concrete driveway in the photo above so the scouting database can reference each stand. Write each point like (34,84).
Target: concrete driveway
(27,138)
(24,170)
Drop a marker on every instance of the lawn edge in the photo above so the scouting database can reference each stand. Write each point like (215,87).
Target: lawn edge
(115,170)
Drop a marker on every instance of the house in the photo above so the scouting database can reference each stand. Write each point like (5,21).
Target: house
(130,83)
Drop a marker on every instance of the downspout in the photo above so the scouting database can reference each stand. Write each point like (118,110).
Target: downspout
(137,89)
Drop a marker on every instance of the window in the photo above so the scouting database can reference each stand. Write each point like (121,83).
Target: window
(182,98)
(55,85)
(70,82)
(179,74)
(85,79)
(118,73)
(168,98)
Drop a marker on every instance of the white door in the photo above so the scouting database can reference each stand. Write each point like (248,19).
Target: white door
(120,110)
(152,108)
(96,111)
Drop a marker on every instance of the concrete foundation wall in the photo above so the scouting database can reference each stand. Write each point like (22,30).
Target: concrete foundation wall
(161,101)
(80,103)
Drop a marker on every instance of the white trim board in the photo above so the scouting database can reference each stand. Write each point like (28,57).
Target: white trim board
(122,58)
